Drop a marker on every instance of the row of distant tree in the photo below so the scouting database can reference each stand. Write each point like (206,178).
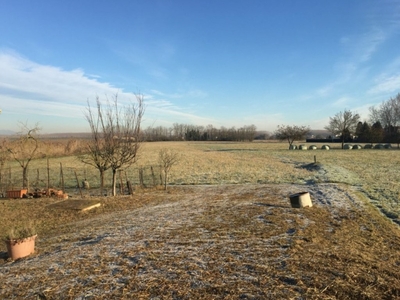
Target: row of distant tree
(385,120)
(186,132)
(383,126)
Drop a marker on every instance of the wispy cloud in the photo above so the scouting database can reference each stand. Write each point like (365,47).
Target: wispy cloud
(341,102)
(152,57)
(370,43)
(388,81)
(193,93)
(166,95)
(360,50)
(21,76)
(41,91)
(386,84)
(353,66)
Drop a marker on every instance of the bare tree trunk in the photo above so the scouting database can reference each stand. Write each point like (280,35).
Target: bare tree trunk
(114,182)
(121,183)
(24,177)
(62,178)
(10,178)
(101,182)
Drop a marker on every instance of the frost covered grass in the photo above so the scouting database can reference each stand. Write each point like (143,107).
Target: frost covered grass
(375,171)
(218,242)
(224,230)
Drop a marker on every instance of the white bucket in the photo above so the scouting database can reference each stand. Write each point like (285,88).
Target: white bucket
(300,200)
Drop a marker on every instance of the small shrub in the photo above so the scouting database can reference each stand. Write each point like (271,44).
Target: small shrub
(20,233)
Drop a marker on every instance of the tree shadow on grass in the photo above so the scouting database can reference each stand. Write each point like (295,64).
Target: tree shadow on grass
(271,205)
(3,255)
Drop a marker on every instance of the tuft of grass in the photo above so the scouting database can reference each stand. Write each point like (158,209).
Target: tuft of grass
(20,232)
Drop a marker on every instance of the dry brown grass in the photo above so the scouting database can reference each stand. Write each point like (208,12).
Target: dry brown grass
(218,163)
(222,241)
(211,242)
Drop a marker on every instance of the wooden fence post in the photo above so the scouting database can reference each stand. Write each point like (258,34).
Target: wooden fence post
(48,178)
(141,177)
(1,181)
(161,180)
(153,176)
(37,177)
(62,178)
(129,185)
(77,182)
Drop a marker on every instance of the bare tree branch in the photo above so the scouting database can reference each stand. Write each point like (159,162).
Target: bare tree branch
(167,159)
(291,133)
(116,135)
(24,148)
(343,124)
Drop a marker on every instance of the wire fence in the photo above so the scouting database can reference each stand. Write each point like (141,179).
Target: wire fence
(84,180)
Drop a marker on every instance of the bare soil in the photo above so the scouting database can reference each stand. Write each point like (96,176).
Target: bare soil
(241,241)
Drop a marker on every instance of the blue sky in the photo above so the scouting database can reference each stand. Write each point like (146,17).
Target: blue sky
(220,62)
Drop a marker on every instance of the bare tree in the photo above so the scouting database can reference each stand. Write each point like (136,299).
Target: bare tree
(250,132)
(343,124)
(24,148)
(97,156)
(388,115)
(116,135)
(291,133)
(167,158)
(3,158)
(385,114)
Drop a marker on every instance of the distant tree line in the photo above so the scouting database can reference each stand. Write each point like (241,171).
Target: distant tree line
(384,123)
(186,132)
(371,133)
(345,126)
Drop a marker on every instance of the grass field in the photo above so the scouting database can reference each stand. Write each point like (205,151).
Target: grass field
(224,229)
(374,171)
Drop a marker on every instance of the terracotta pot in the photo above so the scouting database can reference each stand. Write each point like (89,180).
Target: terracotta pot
(17,193)
(21,248)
